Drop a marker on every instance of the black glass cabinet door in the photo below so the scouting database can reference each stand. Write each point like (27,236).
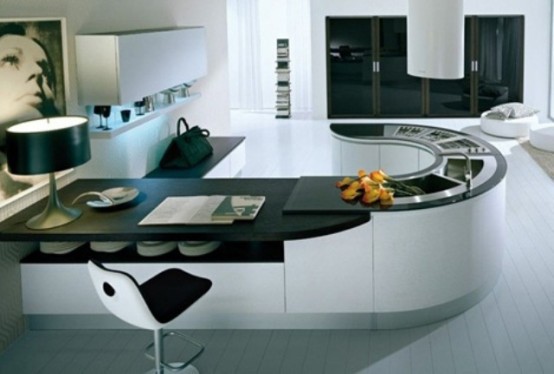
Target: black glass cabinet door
(350,76)
(500,60)
(367,69)
(399,94)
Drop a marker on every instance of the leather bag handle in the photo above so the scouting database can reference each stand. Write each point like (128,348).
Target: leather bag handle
(184,122)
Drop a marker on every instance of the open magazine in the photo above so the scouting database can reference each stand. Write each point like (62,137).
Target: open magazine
(200,210)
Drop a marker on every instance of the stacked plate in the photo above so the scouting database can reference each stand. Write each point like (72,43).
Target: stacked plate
(59,248)
(197,248)
(151,249)
(108,247)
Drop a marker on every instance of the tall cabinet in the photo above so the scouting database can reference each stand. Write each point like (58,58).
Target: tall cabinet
(367,69)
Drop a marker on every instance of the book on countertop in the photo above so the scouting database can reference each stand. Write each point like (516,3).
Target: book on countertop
(199,210)
(238,208)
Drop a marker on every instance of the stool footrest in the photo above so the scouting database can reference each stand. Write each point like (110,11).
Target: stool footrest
(183,337)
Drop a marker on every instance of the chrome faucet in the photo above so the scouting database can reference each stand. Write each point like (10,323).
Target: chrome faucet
(467,170)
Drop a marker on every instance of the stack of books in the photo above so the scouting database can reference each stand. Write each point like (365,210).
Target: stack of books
(282,104)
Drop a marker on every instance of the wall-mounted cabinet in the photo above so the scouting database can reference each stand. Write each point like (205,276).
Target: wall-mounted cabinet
(123,67)
(367,69)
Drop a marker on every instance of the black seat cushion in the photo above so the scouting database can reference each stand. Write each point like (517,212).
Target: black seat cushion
(171,292)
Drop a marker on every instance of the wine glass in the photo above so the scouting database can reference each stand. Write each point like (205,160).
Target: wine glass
(106,111)
(98,110)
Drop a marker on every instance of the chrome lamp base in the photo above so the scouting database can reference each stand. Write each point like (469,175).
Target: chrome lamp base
(55,214)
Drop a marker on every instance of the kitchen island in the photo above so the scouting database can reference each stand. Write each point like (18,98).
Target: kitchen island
(248,271)
(309,260)
(431,256)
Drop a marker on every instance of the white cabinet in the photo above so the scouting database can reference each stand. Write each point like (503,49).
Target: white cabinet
(356,156)
(230,166)
(398,159)
(426,158)
(237,287)
(123,67)
(395,158)
(330,274)
(438,259)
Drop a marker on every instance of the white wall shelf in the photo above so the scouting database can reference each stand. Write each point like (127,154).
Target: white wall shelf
(117,126)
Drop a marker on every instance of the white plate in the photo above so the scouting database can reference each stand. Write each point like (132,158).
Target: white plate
(151,249)
(118,195)
(196,248)
(59,248)
(108,247)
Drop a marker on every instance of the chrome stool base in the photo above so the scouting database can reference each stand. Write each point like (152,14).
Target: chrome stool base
(176,367)
(188,370)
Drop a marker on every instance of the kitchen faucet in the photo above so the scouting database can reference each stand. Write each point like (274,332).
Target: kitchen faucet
(467,170)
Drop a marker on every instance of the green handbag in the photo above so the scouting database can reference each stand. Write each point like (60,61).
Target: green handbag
(187,149)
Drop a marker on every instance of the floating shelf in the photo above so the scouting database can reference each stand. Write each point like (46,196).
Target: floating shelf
(118,127)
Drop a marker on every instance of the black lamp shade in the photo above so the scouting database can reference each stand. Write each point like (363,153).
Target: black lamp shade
(47,145)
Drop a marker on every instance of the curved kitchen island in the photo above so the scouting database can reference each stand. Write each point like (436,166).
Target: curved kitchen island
(309,260)
(427,257)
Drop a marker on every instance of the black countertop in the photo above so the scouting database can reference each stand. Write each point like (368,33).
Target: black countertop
(122,224)
(320,194)
(222,147)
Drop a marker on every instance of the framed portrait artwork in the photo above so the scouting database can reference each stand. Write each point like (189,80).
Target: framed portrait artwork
(33,84)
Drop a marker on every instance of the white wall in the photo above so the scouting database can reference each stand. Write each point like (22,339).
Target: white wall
(87,16)
(537,40)
(268,20)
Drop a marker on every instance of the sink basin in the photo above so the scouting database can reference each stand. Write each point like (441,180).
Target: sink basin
(430,183)
(455,168)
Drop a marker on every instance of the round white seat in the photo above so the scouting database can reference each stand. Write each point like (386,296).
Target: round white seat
(508,128)
(542,136)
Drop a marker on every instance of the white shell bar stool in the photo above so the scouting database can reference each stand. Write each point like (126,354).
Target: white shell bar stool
(151,305)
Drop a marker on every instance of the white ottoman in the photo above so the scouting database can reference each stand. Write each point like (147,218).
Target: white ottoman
(508,128)
(542,136)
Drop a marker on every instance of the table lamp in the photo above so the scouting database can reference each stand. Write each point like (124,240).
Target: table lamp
(48,145)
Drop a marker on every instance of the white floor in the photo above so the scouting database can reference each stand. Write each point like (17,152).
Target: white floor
(510,331)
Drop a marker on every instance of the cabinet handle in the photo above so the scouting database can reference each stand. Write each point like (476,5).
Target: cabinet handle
(376,66)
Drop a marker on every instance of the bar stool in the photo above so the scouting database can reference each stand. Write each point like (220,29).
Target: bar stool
(151,305)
